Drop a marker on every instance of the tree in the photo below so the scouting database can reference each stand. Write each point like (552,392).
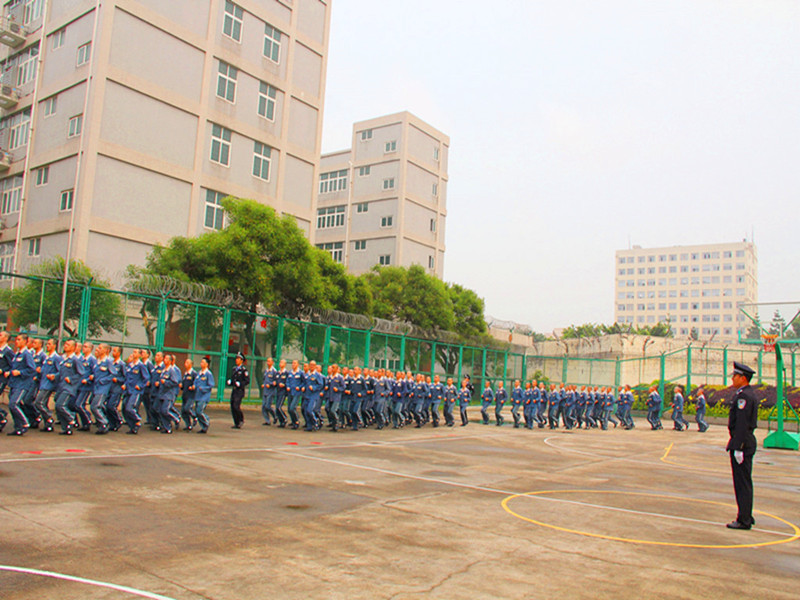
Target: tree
(38,303)
(411,295)
(778,323)
(468,311)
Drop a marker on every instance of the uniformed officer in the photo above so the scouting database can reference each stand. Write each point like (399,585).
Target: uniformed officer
(269,392)
(20,382)
(189,392)
(464,397)
(240,379)
(742,422)
(204,384)
(48,382)
(500,398)
(6,358)
(700,411)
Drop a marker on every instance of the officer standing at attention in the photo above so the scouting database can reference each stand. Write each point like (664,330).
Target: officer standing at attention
(239,381)
(742,422)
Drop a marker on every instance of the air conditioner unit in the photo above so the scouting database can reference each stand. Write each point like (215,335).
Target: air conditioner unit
(11,33)
(5,161)
(9,97)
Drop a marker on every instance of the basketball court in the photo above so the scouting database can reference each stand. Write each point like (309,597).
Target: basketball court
(472,512)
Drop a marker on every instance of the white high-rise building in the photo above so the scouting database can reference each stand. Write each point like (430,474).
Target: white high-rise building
(124,122)
(693,287)
(383,201)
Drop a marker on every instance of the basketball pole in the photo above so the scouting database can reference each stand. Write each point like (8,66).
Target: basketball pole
(780,438)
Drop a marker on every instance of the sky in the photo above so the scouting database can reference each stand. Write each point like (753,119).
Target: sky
(580,127)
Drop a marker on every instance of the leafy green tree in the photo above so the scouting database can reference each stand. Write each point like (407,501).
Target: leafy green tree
(39,303)
(468,311)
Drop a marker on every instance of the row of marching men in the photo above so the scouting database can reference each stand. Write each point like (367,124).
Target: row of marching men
(86,385)
(356,398)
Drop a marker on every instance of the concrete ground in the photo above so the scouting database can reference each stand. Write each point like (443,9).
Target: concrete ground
(468,512)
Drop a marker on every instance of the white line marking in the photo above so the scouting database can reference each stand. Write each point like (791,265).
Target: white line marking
(509,493)
(111,586)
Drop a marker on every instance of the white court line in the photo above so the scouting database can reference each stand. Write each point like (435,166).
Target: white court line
(111,586)
(168,453)
(509,493)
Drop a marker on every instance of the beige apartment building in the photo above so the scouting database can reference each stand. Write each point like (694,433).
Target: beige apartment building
(125,122)
(693,287)
(383,201)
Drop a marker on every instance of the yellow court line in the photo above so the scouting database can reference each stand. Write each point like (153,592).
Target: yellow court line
(768,475)
(508,499)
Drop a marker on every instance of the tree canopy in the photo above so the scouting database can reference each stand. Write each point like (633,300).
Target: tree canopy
(660,329)
(38,303)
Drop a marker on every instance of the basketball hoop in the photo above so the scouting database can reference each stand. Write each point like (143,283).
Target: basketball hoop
(769,341)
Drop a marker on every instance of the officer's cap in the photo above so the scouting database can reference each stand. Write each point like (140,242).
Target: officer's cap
(240,355)
(742,369)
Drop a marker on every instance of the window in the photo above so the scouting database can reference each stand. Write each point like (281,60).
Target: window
(361,245)
(12,194)
(272,44)
(59,37)
(67,197)
(50,106)
(220,145)
(727,254)
(261,159)
(433,224)
(435,190)
(75,126)
(6,259)
(363,171)
(335,249)
(232,23)
(640,259)
(34,246)
(740,254)
(215,214)
(333,181)
(19,129)
(26,71)
(385,259)
(366,135)
(388,184)
(740,266)
(390,146)
(332,216)
(430,262)
(621,260)
(436,154)
(386,221)
(226,82)
(362,207)
(84,54)
(266,101)
(42,175)
(33,11)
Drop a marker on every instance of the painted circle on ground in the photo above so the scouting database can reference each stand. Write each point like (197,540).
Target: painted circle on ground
(508,499)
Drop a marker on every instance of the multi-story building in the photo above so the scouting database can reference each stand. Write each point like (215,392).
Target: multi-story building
(696,288)
(384,200)
(125,122)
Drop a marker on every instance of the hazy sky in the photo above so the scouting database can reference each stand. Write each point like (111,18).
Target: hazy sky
(577,126)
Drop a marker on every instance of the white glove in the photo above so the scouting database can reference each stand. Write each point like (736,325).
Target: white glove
(237,384)
(738,456)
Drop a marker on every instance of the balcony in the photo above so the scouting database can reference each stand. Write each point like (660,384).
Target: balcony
(11,33)
(5,161)
(9,97)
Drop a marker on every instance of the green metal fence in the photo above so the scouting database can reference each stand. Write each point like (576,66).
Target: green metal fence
(192,330)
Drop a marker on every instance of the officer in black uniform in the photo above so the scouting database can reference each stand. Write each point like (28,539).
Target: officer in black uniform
(742,422)
(239,381)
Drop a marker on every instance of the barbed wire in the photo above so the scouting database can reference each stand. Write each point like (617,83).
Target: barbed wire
(520,328)
(162,285)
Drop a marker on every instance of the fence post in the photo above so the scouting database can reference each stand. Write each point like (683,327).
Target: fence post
(564,367)
(760,363)
(461,358)
(279,340)
(617,374)
(793,369)
(162,323)
(83,320)
(223,359)
(433,358)
(483,365)
(505,365)
(688,368)
(403,352)
(524,368)
(326,351)
(367,342)
(662,371)
(724,365)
